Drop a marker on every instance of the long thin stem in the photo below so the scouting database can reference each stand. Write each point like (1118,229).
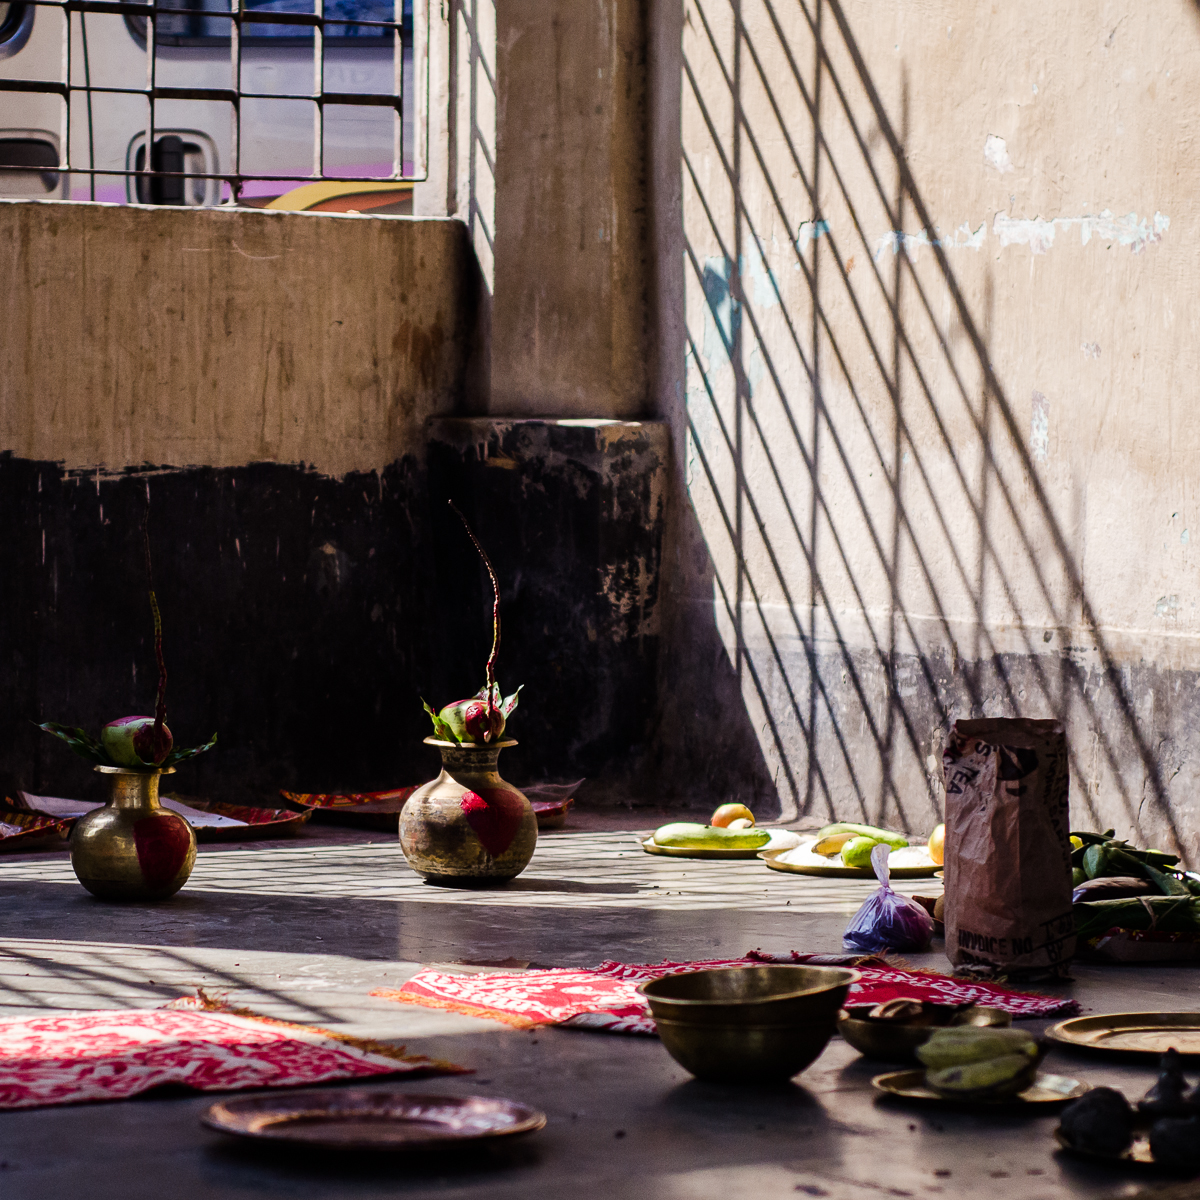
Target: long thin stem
(160,704)
(491,662)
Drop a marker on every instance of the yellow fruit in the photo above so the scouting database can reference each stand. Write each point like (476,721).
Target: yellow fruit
(731,812)
(937,845)
(829,846)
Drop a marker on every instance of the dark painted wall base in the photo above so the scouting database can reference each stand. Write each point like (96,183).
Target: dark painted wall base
(292,610)
(571,514)
(304,616)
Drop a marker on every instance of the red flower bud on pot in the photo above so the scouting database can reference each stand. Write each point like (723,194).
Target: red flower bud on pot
(131,742)
(467,721)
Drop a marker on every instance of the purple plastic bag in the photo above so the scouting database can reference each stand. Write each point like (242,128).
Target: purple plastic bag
(887,921)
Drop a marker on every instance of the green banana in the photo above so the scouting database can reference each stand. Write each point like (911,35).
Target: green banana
(857,851)
(992,1078)
(895,840)
(956,1045)
(686,836)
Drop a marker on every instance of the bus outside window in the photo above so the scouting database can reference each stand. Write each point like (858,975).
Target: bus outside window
(239,103)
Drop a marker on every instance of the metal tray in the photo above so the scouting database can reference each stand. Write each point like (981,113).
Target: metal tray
(770,857)
(1046,1089)
(1132,1033)
(651,847)
(371,1119)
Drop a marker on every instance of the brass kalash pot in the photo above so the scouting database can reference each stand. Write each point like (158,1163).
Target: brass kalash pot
(468,828)
(132,849)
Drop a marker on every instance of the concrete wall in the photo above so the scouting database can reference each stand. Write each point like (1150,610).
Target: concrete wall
(276,391)
(544,153)
(151,336)
(262,382)
(938,433)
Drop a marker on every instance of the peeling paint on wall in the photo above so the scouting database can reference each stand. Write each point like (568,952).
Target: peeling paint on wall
(1167,607)
(995,154)
(911,243)
(1038,234)
(1035,232)
(1039,427)
(810,231)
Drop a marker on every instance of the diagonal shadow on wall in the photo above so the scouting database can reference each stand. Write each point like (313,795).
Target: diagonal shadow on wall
(884,556)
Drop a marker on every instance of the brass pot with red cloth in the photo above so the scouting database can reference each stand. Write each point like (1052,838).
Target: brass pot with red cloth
(132,848)
(468,826)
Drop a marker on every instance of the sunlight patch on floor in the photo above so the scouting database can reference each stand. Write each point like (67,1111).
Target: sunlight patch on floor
(569,870)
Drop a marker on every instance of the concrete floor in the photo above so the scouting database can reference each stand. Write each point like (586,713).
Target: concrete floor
(303,929)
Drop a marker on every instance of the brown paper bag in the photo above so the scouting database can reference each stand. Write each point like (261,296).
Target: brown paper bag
(1008,850)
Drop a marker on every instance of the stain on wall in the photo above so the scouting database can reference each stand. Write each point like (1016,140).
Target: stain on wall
(295,612)
(571,513)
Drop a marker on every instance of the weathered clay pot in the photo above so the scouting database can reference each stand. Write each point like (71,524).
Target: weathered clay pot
(468,827)
(131,849)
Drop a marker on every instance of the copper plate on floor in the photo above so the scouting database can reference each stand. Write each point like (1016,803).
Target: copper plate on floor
(1046,1089)
(771,858)
(1132,1033)
(371,1119)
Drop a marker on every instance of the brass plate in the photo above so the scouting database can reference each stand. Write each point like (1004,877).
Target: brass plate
(650,847)
(1132,1033)
(371,1119)
(1046,1089)
(770,857)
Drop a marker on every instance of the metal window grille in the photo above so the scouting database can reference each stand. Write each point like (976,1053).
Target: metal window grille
(241,21)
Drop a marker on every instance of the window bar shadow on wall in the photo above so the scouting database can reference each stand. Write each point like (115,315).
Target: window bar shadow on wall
(239,15)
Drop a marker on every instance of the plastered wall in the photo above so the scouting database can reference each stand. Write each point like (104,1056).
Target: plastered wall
(256,386)
(936,361)
(137,335)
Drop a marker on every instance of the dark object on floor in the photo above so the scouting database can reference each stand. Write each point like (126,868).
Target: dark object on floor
(1167,1097)
(1175,1143)
(1100,1122)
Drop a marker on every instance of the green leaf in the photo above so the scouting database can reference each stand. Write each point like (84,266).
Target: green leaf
(1167,884)
(80,741)
(510,702)
(440,728)
(178,756)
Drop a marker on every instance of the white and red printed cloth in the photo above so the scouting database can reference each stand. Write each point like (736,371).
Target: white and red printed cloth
(606,998)
(72,1057)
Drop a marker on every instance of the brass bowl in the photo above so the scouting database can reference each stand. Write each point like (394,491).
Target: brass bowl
(747,1024)
(897,1041)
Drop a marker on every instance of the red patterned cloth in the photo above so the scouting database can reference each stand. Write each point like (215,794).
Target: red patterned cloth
(606,998)
(72,1057)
